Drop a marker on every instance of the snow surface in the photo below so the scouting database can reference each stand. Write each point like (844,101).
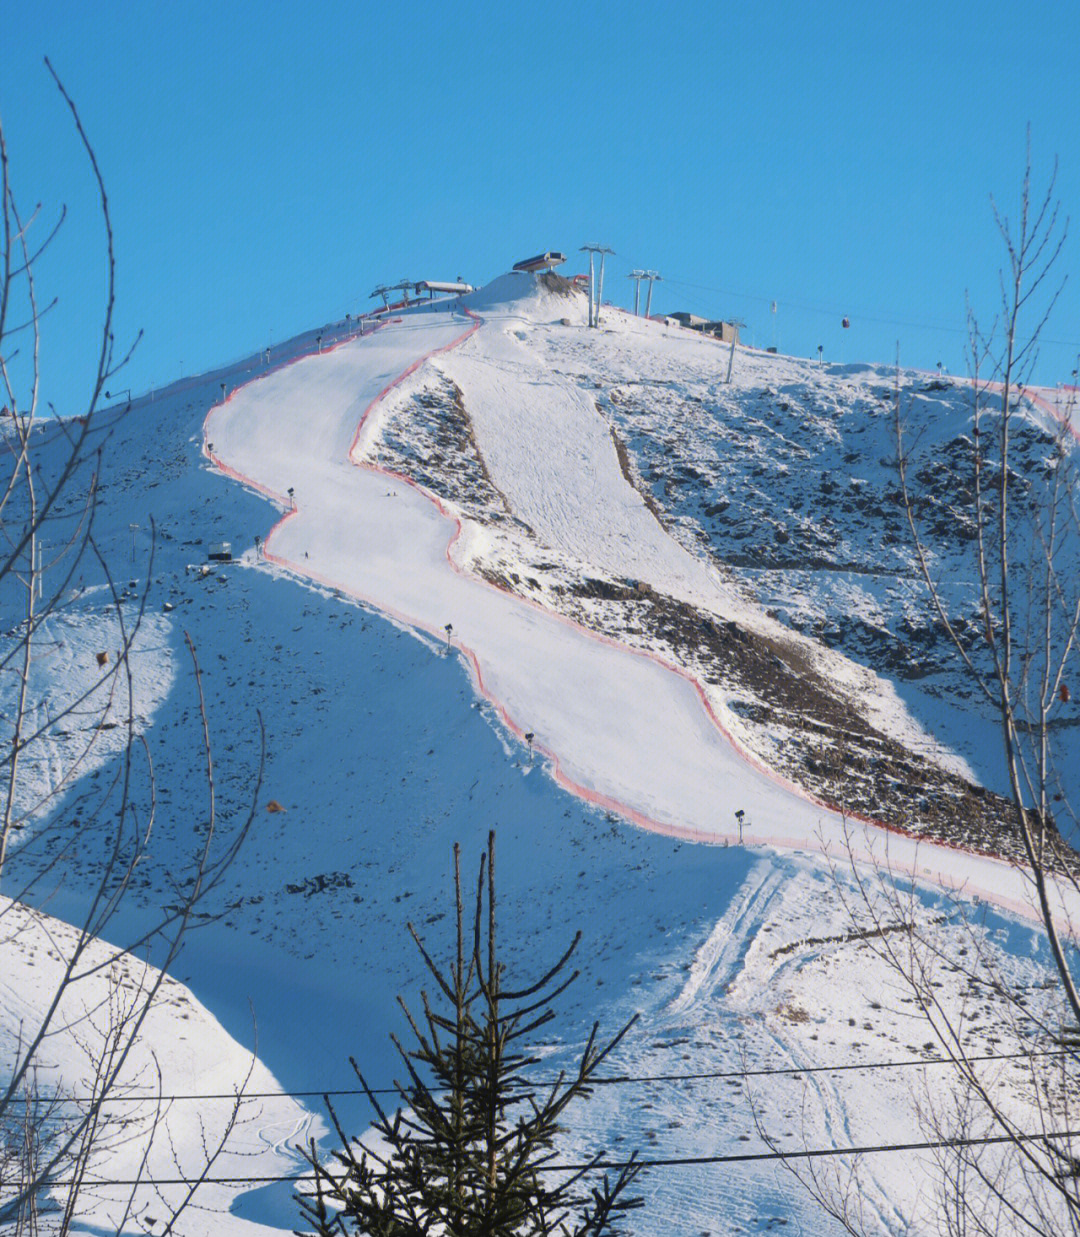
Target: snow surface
(383,754)
(181,1051)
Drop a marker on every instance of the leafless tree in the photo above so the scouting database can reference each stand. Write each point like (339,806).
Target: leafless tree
(1027,548)
(55,1136)
(1006,1147)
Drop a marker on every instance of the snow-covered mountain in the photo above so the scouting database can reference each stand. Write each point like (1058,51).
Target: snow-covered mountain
(661,629)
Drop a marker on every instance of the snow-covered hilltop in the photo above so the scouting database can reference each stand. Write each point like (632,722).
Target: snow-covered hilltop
(558,466)
(481,544)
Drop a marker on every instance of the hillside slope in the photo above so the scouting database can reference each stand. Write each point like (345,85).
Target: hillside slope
(570,564)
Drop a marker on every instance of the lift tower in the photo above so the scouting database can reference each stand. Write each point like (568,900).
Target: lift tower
(603,251)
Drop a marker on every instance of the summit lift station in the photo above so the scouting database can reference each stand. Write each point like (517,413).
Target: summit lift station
(542,262)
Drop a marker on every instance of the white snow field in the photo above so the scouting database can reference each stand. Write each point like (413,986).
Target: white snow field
(383,753)
(181,1050)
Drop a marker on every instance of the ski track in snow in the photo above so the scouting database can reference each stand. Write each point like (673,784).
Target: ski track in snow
(715,962)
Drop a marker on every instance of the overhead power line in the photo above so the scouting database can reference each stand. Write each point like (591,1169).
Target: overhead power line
(611,1081)
(677,1161)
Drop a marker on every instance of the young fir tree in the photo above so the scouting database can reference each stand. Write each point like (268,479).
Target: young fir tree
(470,1151)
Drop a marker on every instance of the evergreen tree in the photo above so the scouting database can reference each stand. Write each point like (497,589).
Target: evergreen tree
(470,1151)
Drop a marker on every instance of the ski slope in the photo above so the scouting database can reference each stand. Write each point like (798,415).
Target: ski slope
(620,727)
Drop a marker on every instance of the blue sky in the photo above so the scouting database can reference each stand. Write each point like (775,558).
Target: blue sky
(268,164)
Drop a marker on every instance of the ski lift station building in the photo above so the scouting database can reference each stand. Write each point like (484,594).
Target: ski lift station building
(542,262)
(728,332)
(435,287)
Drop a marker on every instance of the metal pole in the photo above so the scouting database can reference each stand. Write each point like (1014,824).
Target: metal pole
(600,289)
(594,302)
(652,277)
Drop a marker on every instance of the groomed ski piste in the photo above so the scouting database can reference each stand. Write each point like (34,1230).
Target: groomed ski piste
(384,749)
(620,728)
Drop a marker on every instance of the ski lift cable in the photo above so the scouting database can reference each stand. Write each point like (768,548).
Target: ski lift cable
(877,317)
